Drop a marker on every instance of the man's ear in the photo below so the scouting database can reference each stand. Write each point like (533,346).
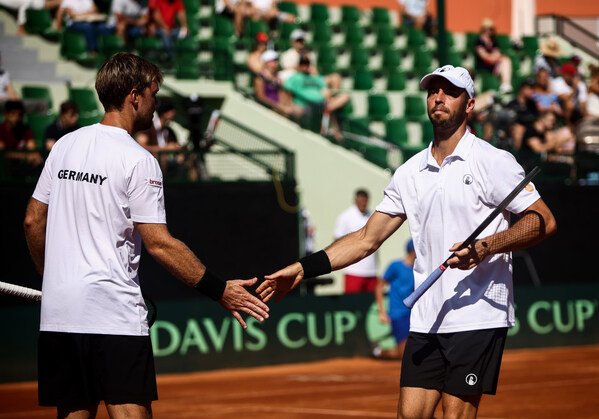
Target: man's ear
(133,95)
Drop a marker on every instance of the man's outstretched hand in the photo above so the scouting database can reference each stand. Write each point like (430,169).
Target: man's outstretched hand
(236,298)
(281,282)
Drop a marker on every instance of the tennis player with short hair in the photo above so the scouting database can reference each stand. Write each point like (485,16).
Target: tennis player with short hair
(100,194)
(458,327)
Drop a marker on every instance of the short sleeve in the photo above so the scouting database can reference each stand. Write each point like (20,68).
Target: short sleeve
(146,193)
(509,175)
(392,203)
(44,183)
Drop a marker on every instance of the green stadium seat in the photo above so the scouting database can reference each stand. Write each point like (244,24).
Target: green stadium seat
(350,15)
(489,81)
(151,48)
(396,131)
(427,131)
(288,7)
(416,39)
(503,42)
(187,70)
(326,59)
(85,98)
(530,45)
(357,125)
(38,124)
(380,16)
(471,38)
(385,36)
(109,45)
(423,61)
(454,58)
(186,49)
(322,33)
(37,92)
(378,106)
(396,81)
(391,59)
(363,80)
(73,46)
(359,58)
(285,29)
(319,12)
(354,35)
(223,27)
(222,61)
(40,21)
(415,107)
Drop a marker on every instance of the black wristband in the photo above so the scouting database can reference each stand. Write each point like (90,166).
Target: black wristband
(211,286)
(316,264)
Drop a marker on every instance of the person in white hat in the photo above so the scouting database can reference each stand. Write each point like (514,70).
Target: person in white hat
(268,86)
(458,327)
(290,61)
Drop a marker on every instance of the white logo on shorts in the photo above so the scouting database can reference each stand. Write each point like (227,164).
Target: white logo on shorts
(471,379)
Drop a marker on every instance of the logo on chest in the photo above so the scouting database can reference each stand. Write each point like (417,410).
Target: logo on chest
(468,179)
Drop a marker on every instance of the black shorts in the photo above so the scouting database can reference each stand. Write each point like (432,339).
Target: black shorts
(83,369)
(463,363)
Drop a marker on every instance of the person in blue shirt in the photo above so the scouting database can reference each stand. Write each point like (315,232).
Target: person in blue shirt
(400,278)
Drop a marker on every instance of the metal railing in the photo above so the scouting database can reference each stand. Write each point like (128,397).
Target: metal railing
(578,36)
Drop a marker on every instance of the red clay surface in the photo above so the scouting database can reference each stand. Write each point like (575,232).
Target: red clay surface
(534,383)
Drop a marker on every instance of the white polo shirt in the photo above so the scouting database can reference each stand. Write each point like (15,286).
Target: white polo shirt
(97,181)
(349,221)
(444,205)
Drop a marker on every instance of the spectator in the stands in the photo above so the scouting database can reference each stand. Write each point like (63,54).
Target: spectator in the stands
(311,92)
(66,122)
(268,11)
(572,93)
(589,125)
(83,16)
(543,96)
(17,141)
(21,7)
(254,60)
(525,111)
(161,140)
(7,90)
(489,57)
(237,10)
(129,18)
(416,14)
(290,61)
(268,88)
(548,59)
(168,20)
(544,136)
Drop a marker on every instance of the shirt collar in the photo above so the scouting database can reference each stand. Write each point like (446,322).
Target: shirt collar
(461,151)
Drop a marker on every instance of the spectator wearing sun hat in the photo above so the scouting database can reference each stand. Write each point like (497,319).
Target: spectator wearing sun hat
(489,57)
(254,61)
(548,59)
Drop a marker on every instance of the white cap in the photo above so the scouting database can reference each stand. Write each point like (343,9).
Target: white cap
(458,76)
(297,34)
(269,55)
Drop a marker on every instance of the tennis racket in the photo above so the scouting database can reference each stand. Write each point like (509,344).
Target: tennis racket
(36,295)
(410,300)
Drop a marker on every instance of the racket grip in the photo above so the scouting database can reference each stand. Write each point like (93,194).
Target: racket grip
(411,299)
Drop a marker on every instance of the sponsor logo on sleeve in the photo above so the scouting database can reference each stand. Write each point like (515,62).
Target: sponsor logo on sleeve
(155,182)
(529,187)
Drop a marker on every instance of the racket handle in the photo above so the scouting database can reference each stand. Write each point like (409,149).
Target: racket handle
(411,299)
(20,291)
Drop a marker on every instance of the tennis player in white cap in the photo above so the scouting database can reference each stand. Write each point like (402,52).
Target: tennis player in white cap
(458,327)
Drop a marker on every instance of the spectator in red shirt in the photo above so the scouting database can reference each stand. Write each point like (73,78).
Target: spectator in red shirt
(15,137)
(163,23)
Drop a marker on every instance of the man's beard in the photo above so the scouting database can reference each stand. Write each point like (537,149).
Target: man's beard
(453,120)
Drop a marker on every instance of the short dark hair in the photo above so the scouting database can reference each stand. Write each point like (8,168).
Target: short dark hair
(68,107)
(362,192)
(122,73)
(14,105)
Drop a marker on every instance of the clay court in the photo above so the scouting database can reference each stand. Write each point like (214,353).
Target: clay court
(534,383)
